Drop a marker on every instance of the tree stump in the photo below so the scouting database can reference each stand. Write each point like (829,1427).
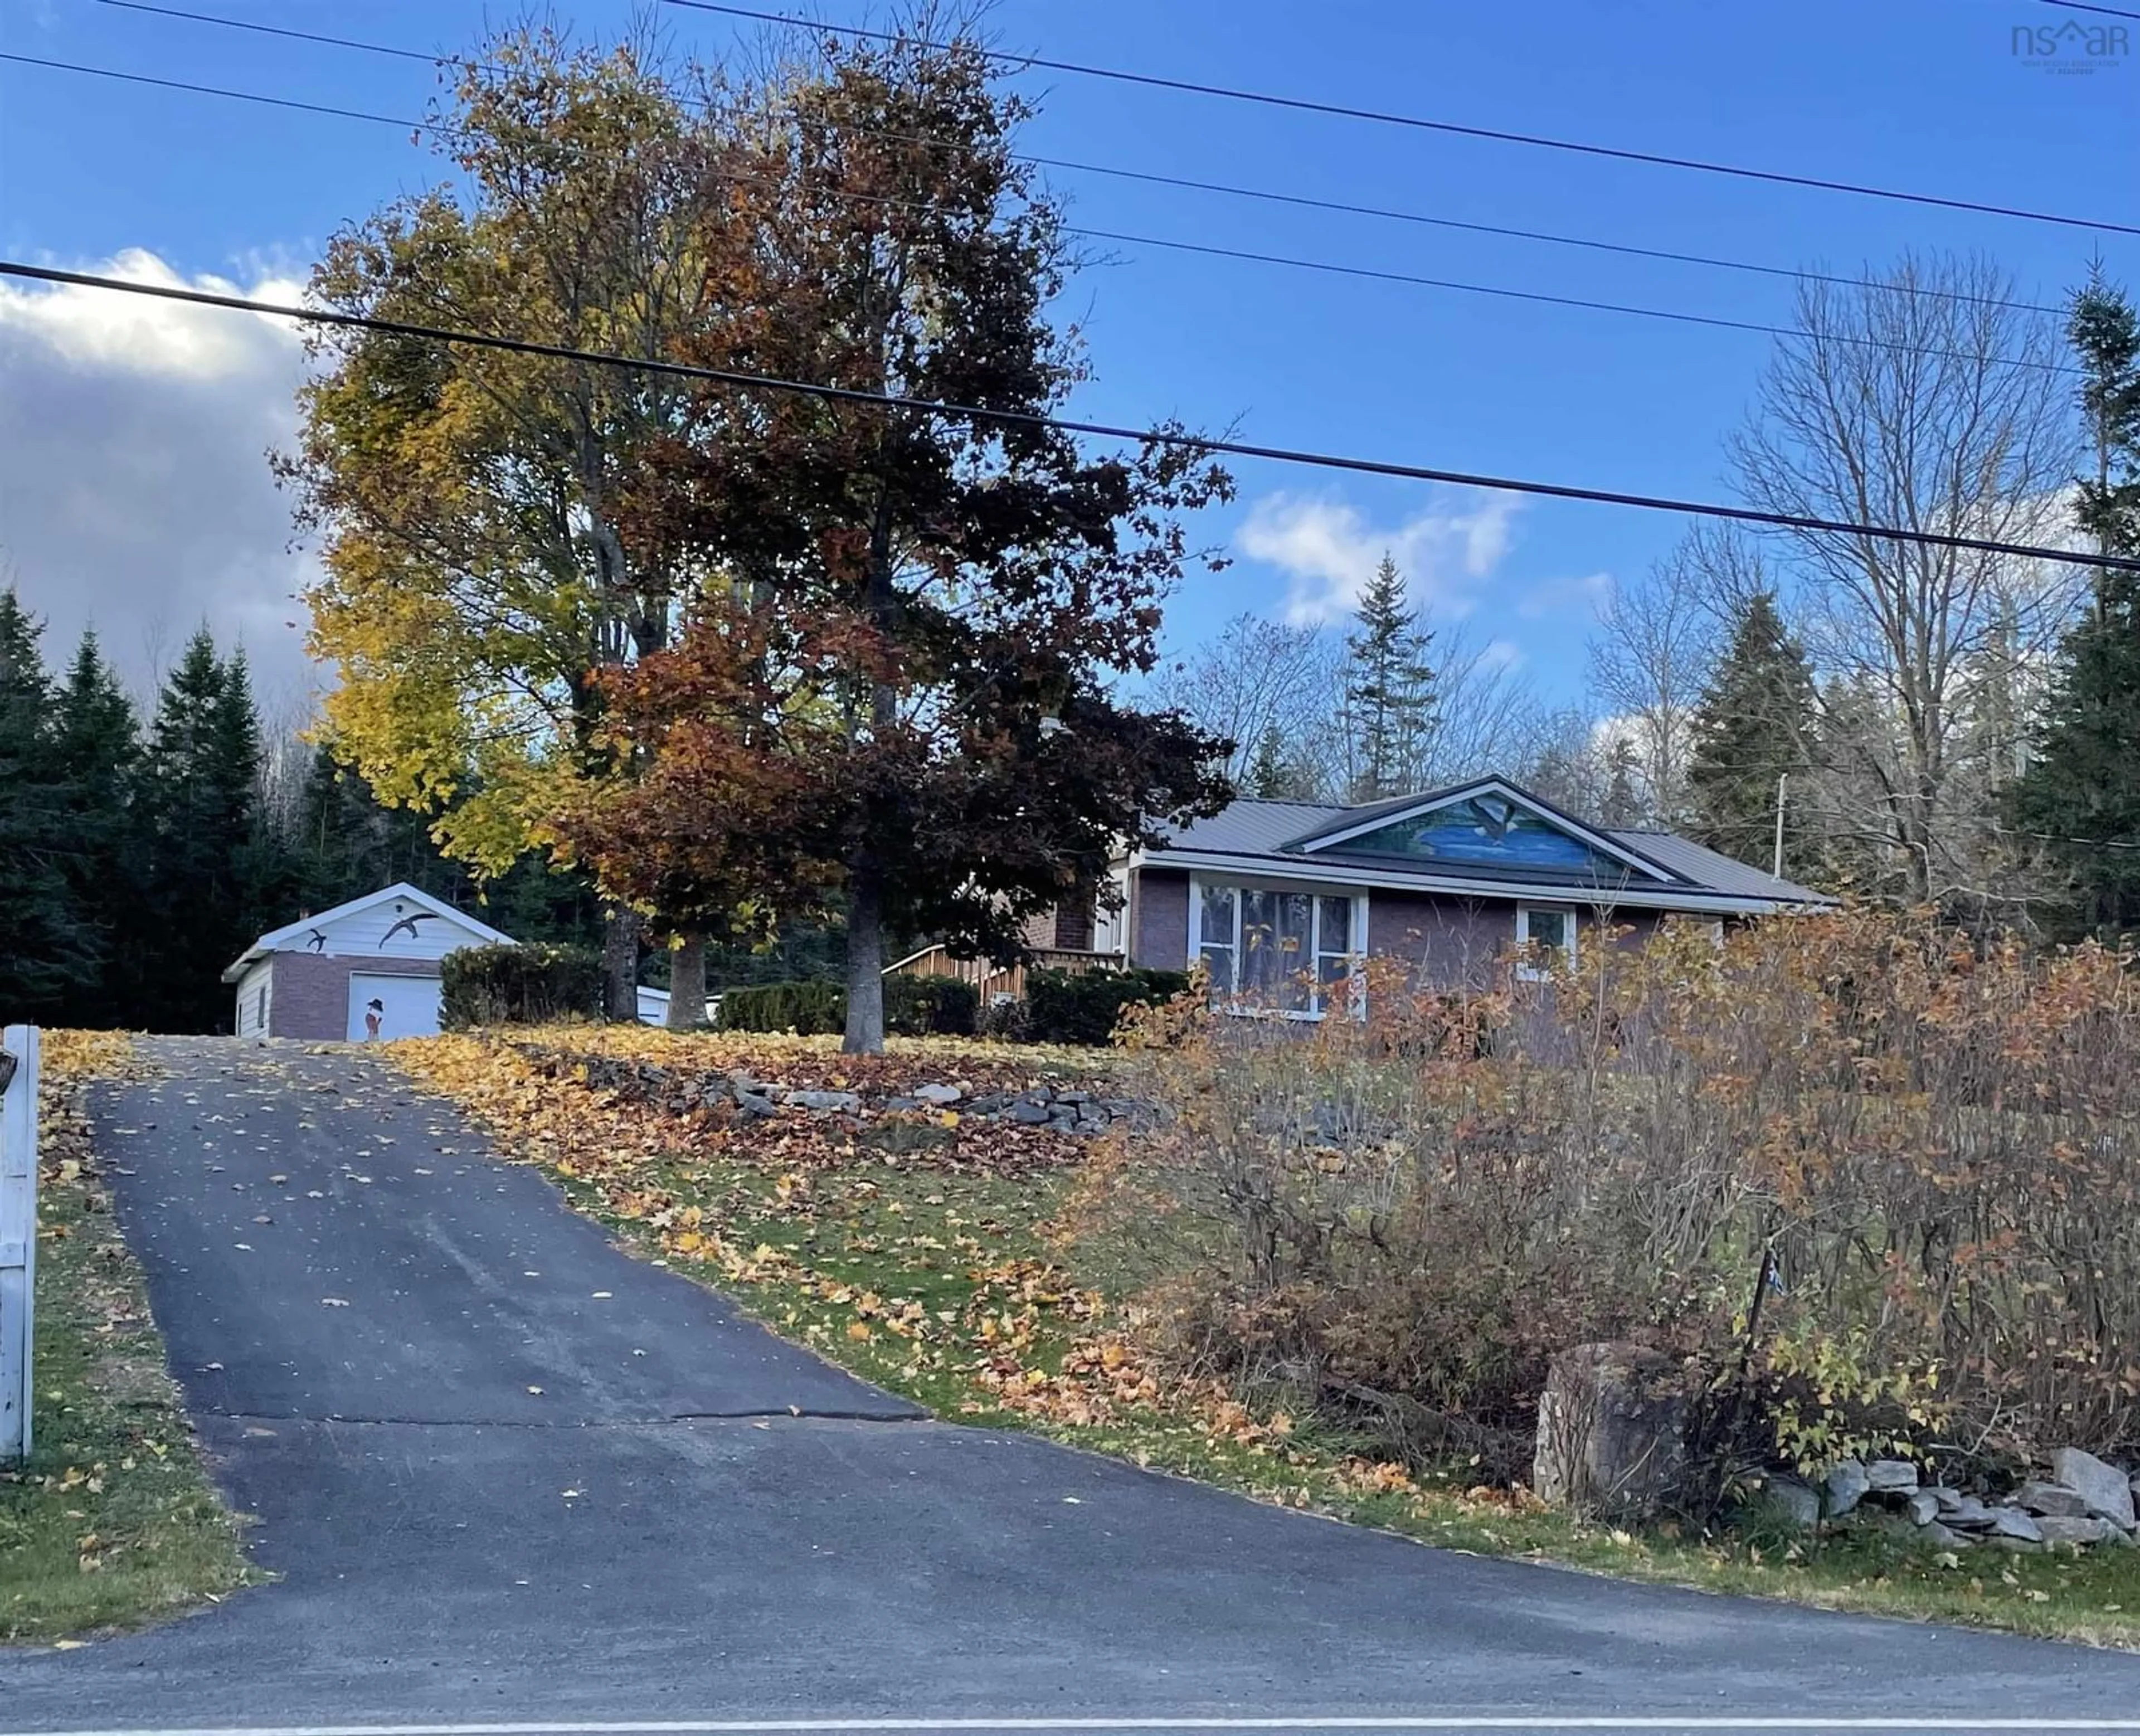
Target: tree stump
(1611,1432)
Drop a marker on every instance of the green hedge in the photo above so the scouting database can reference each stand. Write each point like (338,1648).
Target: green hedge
(913,1007)
(533,985)
(1085,1007)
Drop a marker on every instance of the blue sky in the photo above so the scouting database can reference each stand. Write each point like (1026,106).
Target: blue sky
(1920,94)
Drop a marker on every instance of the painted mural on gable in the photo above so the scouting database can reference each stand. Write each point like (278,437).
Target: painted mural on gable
(1488,832)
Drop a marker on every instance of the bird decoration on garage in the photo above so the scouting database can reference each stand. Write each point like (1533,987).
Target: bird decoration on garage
(407,922)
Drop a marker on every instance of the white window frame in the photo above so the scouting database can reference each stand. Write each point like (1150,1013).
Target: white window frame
(1531,973)
(1355,951)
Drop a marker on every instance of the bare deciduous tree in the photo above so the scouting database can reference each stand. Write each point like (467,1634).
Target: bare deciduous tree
(1927,399)
(1656,641)
(1256,676)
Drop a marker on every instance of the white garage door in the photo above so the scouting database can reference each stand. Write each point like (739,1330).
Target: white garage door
(408,1006)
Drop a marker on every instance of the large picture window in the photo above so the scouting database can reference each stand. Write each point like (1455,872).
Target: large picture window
(1275,949)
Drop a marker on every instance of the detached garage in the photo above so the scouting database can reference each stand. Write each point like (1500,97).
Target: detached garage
(329,976)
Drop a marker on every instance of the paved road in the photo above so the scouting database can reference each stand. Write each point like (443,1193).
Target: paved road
(691,1519)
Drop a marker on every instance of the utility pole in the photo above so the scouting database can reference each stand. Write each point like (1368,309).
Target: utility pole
(1783,782)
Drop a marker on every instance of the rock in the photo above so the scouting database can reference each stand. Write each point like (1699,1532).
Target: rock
(2010,1522)
(826,1100)
(903,1106)
(988,1103)
(2106,1489)
(1611,1431)
(1029,1115)
(1846,1485)
(940,1095)
(1949,1500)
(1971,1515)
(2063,1528)
(2052,1500)
(1939,1537)
(756,1104)
(1791,1500)
(1891,1476)
(2116,1539)
(1922,1508)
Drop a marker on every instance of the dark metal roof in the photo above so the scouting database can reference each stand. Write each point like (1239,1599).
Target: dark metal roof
(1713,868)
(1252,826)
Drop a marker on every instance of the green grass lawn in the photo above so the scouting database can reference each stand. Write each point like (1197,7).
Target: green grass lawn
(113,1521)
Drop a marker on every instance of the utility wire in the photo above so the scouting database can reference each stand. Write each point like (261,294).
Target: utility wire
(1186,183)
(1421,123)
(1174,437)
(2108,11)
(1206,249)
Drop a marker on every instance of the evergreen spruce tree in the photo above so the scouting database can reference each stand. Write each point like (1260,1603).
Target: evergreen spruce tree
(199,848)
(1623,806)
(1273,773)
(46,954)
(1753,727)
(1390,697)
(2081,793)
(95,749)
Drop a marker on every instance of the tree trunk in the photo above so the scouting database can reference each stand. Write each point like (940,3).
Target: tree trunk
(687,984)
(865,966)
(621,931)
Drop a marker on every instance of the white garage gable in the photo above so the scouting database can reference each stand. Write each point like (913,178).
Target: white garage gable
(397,922)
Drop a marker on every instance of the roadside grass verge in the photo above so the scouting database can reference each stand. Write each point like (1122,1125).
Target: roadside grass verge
(113,1521)
(924,1254)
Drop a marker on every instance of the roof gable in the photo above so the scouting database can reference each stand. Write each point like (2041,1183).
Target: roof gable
(396,921)
(1487,824)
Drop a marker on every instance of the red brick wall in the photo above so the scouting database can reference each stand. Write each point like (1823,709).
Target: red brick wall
(1159,919)
(1450,942)
(311,993)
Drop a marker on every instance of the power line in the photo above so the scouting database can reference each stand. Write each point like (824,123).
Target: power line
(224,90)
(280,30)
(1154,178)
(2108,11)
(1206,249)
(1165,436)
(1421,123)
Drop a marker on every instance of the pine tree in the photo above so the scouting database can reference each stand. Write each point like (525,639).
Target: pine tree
(1622,807)
(1274,773)
(1389,698)
(96,749)
(45,950)
(1755,727)
(202,853)
(2081,793)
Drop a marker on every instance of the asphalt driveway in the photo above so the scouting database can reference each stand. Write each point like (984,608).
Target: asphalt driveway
(507,1473)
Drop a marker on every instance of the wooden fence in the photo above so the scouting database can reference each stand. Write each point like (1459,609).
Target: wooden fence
(997,982)
(19,1233)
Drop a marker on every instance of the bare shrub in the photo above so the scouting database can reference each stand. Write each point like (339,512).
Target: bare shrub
(1871,1186)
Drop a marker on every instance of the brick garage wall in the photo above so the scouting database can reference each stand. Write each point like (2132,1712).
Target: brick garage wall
(311,994)
(1159,919)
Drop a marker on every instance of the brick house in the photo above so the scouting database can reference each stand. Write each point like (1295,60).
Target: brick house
(1278,898)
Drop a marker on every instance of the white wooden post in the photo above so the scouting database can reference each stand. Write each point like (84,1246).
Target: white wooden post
(18,1238)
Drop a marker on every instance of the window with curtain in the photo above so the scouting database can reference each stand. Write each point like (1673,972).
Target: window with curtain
(1268,947)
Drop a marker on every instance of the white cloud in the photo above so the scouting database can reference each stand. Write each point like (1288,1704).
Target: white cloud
(1557,597)
(134,490)
(1329,550)
(1502,654)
